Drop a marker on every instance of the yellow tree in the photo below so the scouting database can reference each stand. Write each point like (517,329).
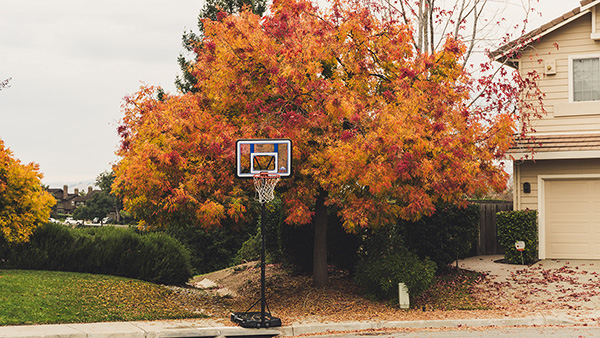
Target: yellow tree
(380,130)
(24,204)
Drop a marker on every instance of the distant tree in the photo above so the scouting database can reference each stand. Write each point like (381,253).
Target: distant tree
(99,205)
(101,202)
(191,40)
(24,204)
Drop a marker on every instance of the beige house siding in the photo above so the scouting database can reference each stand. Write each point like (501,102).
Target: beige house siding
(573,39)
(597,18)
(529,171)
(564,178)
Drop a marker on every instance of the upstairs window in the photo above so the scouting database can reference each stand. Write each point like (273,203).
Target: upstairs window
(586,79)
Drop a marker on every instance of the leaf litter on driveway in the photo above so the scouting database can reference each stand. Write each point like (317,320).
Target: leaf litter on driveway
(569,288)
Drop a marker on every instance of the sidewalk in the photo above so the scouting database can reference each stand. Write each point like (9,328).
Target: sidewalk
(194,328)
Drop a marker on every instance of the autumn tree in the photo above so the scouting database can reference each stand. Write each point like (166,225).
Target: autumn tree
(24,204)
(191,40)
(381,129)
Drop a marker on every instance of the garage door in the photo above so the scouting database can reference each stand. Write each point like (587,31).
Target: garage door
(572,222)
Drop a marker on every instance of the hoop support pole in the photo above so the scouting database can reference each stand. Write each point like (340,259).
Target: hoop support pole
(263,300)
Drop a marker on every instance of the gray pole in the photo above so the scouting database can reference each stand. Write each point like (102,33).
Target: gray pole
(263,301)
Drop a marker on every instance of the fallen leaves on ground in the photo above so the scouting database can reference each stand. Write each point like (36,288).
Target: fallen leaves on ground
(293,299)
(537,288)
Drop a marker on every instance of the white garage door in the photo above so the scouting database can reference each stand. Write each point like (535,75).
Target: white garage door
(572,222)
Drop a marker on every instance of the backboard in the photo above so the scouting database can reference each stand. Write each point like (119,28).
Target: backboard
(254,156)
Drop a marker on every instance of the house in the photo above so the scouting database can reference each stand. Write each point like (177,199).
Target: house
(562,182)
(66,203)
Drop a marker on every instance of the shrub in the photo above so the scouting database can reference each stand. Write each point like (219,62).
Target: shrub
(250,250)
(380,275)
(445,236)
(211,249)
(516,226)
(153,257)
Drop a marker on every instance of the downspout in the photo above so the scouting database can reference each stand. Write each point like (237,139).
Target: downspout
(517,188)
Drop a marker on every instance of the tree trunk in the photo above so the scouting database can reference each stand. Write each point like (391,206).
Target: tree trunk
(320,242)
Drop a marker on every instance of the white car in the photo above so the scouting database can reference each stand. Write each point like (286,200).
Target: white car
(71,221)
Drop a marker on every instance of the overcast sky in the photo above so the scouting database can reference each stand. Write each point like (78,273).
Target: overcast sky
(72,62)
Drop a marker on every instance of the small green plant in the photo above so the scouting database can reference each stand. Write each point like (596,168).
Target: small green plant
(516,226)
(250,250)
(380,275)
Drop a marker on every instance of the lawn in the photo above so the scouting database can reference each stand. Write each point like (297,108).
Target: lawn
(43,297)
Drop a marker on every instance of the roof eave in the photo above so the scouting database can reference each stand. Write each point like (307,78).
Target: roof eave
(500,54)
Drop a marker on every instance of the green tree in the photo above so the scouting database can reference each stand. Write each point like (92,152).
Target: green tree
(101,202)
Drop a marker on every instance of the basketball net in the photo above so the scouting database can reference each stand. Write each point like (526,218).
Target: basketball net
(265,183)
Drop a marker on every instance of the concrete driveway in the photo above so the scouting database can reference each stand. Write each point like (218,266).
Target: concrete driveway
(562,288)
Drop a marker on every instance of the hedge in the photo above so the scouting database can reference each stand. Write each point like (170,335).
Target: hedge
(154,257)
(516,226)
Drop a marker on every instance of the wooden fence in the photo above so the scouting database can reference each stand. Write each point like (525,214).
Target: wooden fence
(488,231)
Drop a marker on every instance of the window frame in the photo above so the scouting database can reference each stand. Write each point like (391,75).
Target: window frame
(572,75)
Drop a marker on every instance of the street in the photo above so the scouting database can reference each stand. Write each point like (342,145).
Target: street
(520,332)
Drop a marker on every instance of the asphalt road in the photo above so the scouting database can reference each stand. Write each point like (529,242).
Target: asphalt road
(523,332)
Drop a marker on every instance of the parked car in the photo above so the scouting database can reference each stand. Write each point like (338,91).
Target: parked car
(71,221)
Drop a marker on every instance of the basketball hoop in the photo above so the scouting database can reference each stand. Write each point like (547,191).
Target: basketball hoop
(265,186)
(266,161)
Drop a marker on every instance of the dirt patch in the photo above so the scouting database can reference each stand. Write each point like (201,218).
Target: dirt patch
(293,299)
(232,278)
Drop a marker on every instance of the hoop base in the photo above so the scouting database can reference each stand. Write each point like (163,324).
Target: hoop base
(253,320)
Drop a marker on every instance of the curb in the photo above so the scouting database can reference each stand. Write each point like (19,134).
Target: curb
(295,330)
(178,329)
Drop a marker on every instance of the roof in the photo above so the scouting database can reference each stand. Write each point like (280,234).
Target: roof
(544,144)
(510,48)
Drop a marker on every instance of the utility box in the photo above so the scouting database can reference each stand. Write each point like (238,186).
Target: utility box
(403,296)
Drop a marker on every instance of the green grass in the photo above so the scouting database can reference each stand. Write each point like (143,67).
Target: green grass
(44,297)
(452,290)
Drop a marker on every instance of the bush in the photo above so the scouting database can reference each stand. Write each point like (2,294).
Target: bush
(516,226)
(445,236)
(250,250)
(212,249)
(380,275)
(153,257)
